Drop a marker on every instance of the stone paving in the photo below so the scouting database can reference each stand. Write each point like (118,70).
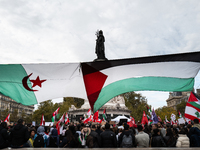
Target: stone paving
(106,148)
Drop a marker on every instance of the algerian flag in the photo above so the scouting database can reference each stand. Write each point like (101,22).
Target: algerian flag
(55,113)
(34,83)
(104,115)
(107,79)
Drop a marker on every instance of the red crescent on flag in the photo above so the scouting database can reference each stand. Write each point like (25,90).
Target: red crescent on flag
(24,82)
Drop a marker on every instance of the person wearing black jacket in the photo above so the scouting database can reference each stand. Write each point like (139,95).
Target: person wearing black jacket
(19,135)
(125,134)
(157,140)
(169,139)
(4,136)
(96,137)
(108,138)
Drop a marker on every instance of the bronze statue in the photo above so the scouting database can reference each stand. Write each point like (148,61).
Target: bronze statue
(100,48)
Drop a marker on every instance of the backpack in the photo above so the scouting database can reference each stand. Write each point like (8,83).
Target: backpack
(39,141)
(127,141)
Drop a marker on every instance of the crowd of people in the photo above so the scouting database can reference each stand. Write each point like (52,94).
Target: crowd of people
(93,135)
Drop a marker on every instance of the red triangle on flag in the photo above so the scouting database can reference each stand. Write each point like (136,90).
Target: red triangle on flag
(94,81)
(192,98)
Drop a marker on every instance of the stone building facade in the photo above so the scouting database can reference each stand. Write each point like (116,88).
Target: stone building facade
(176,98)
(11,105)
(114,108)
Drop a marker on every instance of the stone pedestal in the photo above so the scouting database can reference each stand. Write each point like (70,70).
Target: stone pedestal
(114,108)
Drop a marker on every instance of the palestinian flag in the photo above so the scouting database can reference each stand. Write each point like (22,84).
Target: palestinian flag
(7,118)
(150,121)
(149,110)
(194,100)
(54,115)
(42,123)
(107,79)
(104,115)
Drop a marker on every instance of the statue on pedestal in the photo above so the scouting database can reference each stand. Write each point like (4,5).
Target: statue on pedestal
(100,48)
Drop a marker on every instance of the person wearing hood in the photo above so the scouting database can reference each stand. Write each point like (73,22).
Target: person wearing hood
(4,136)
(53,140)
(19,135)
(41,131)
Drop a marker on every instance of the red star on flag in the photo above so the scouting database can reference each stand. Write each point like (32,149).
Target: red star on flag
(37,82)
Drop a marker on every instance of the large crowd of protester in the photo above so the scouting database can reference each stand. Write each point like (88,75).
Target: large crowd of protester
(93,135)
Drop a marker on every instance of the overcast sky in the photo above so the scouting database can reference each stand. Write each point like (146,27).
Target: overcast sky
(59,31)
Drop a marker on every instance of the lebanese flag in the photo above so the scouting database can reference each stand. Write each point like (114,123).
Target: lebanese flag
(192,112)
(104,115)
(60,124)
(42,123)
(166,120)
(66,118)
(180,116)
(98,81)
(96,116)
(144,119)
(86,120)
(99,120)
(194,100)
(89,113)
(54,114)
(7,118)
(173,118)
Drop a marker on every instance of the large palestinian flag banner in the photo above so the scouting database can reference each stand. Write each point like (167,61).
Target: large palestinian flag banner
(98,81)
(107,79)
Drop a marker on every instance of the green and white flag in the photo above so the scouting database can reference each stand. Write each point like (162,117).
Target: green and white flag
(107,79)
(34,83)
(98,81)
